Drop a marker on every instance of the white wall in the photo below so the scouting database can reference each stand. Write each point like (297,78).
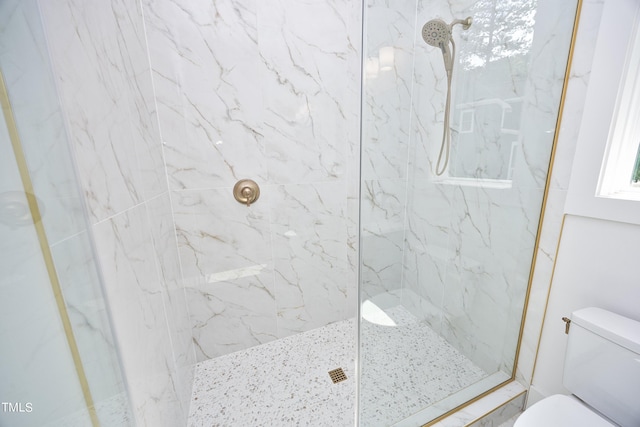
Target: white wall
(597,266)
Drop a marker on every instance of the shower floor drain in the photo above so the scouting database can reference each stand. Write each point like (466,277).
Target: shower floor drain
(337,375)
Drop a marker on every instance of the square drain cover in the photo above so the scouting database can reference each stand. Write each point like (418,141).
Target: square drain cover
(337,375)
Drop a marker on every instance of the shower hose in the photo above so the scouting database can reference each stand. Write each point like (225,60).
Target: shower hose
(445,147)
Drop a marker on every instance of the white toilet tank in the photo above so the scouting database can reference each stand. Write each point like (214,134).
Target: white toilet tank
(602,364)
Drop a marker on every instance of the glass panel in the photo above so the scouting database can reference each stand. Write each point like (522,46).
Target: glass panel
(59,361)
(445,260)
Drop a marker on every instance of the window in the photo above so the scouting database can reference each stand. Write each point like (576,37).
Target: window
(635,179)
(611,83)
(620,173)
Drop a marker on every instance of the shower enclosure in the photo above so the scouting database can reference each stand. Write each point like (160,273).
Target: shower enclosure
(127,264)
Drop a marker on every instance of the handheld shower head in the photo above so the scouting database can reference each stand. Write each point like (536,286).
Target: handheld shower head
(438,33)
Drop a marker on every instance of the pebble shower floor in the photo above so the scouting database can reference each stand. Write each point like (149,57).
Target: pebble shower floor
(287,383)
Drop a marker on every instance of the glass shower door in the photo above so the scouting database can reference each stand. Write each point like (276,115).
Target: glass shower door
(446,259)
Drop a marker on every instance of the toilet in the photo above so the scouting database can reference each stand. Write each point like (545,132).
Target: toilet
(601,370)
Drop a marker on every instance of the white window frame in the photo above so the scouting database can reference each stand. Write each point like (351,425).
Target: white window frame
(584,197)
(624,136)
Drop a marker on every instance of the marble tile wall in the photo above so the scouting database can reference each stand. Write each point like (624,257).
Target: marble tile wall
(104,79)
(386,118)
(266,91)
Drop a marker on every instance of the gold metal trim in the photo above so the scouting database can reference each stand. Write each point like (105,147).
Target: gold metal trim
(563,96)
(546,305)
(45,249)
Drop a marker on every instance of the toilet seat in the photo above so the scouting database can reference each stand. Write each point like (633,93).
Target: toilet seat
(560,411)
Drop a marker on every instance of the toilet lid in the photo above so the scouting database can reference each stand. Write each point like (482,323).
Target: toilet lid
(560,411)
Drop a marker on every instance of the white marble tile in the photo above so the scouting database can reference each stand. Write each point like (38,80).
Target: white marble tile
(353,255)
(549,50)
(387,91)
(382,218)
(155,400)
(481,294)
(180,327)
(106,89)
(428,256)
(308,225)
(207,73)
(304,49)
(165,245)
(133,284)
(305,225)
(511,421)
(139,262)
(148,361)
(456,234)
(282,111)
(353,18)
(34,337)
(138,316)
(576,92)
(218,234)
(127,257)
(103,75)
(383,206)
(381,269)
(233,314)
(509,395)
(173,295)
(36,110)
(87,308)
